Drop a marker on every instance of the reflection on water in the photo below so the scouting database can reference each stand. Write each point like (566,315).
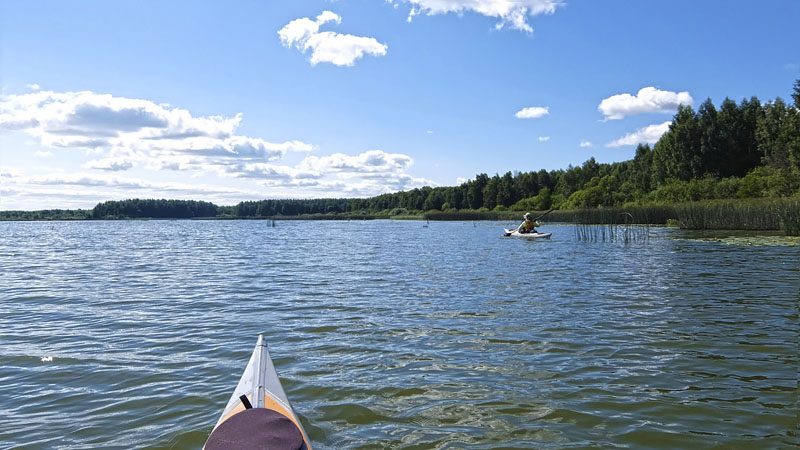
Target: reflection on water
(387,334)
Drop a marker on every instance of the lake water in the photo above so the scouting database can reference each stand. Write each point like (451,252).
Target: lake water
(390,335)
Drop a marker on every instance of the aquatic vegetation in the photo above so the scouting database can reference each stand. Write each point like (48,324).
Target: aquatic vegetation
(762,214)
(789,213)
(613,226)
(753,241)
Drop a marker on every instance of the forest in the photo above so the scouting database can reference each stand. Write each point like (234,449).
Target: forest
(745,150)
(739,150)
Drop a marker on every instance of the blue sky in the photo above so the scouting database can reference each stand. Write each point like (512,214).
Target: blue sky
(231,101)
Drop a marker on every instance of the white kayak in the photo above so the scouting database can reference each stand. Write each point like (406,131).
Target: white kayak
(258,414)
(515,233)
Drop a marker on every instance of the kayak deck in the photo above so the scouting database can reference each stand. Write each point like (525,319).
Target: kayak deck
(258,414)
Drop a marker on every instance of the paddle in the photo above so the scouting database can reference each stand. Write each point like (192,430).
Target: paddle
(548,212)
(508,233)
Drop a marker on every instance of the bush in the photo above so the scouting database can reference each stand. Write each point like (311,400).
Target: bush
(782,183)
(398,212)
(726,188)
(539,202)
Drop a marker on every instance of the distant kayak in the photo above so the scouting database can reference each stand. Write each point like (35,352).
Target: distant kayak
(515,233)
(258,414)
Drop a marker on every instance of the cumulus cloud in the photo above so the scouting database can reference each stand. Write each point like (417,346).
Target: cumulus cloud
(266,171)
(647,100)
(9,172)
(371,161)
(544,138)
(117,134)
(533,112)
(369,173)
(88,118)
(328,46)
(512,13)
(649,134)
(33,86)
(109,164)
(585,144)
(134,131)
(84,190)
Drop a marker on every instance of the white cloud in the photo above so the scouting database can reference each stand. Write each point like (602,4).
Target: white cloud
(372,161)
(134,131)
(647,100)
(370,173)
(84,190)
(266,171)
(112,181)
(544,138)
(99,118)
(109,164)
(43,154)
(533,112)
(117,134)
(514,13)
(461,180)
(7,173)
(585,144)
(429,132)
(328,46)
(33,87)
(649,134)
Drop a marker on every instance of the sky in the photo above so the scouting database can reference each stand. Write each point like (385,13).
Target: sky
(246,100)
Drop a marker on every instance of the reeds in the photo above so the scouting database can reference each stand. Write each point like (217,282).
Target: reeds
(789,214)
(637,215)
(757,215)
(618,227)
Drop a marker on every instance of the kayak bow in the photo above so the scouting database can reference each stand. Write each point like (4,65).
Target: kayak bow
(258,414)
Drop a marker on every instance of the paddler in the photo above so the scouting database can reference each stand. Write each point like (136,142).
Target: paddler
(527,226)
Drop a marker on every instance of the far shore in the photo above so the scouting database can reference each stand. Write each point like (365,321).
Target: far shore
(736,214)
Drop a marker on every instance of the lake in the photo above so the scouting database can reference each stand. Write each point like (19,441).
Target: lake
(387,334)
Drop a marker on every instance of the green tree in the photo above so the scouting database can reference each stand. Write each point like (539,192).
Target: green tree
(475,190)
(772,134)
(678,148)
(505,186)
(711,151)
(490,192)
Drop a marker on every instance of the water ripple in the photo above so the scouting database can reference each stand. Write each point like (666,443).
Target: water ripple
(390,335)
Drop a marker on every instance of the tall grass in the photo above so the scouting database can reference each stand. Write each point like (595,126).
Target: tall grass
(753,214)
(617,227)
(789,213)
(636,215)
(748,214)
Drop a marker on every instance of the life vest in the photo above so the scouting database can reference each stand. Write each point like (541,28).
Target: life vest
(529,225)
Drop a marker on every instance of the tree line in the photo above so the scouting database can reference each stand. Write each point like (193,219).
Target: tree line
(744,150)
(156,209)
(739,150)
